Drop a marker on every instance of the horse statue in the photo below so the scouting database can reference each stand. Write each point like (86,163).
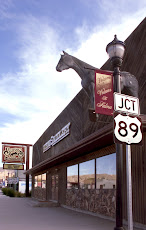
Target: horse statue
(129,83)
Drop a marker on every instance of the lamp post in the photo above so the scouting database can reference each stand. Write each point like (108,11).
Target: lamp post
(115,50)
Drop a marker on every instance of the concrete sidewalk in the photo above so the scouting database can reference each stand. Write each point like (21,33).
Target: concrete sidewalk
(19,213)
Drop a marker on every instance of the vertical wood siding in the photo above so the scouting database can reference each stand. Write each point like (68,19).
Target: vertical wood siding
(138,156)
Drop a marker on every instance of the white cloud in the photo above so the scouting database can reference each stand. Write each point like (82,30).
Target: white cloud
(93,49)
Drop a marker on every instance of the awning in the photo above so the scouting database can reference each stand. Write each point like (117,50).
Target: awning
(95,141)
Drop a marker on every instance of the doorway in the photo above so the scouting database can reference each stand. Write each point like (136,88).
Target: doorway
(54,187)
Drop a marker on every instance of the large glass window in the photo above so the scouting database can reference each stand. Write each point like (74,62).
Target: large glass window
(106,172)
(87,174)
(72,176)
(39,181)
(44,180)
(35,181)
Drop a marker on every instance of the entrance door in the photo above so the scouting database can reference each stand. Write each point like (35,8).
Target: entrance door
(55,187)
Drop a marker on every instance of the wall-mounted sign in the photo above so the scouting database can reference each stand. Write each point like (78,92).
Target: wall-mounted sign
(57,137)
(13,154)
(13,166)
(104,92)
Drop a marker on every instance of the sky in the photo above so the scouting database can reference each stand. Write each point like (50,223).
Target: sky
(33,34)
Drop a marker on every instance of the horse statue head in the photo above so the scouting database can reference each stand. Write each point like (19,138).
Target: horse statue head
(64,63)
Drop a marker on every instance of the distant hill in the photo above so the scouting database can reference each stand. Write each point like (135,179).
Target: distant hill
(91,177)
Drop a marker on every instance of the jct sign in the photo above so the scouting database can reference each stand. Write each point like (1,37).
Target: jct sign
(125,103)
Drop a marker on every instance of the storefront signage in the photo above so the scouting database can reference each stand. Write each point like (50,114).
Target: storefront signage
(13,166)
(104,92)
(13,154)
(57,137)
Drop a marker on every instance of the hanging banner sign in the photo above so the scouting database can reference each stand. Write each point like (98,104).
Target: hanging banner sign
(13,154)
(104,92)
(13,166)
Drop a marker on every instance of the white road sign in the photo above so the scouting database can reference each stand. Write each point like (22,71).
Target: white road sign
(127,129)
(13,180)
(126,104)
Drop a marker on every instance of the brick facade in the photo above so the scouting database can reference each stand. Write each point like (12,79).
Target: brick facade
(101,201)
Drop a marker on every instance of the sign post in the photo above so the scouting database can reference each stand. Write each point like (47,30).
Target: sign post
(12,153)
(129,188)
(127,129)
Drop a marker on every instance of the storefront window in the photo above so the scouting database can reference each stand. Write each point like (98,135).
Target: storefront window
(44,180)
(72,176)
(106,172)
(35,181)
(39,181)
(87,174)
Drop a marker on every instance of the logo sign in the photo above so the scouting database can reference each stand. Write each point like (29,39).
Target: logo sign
(104,92)
(13,166)
(13,154)
(127,129)
(125,103)
(57,137)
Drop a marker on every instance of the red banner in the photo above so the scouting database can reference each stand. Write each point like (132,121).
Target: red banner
(104,92)
(13,154)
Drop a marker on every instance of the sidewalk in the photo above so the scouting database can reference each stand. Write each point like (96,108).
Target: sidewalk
(20,213)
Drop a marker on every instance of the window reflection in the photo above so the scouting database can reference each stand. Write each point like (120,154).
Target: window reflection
(72,177)
(87,174)
(106,172)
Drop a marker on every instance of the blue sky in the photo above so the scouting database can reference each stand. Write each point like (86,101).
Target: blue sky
(33,34)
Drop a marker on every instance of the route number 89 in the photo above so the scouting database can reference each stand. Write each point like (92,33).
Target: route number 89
(127,129)
(123,128)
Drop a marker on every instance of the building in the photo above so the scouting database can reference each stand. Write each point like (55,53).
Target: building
(4,175)
(8,174)
(74,161)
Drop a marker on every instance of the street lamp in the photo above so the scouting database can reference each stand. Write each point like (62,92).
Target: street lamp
(115,50)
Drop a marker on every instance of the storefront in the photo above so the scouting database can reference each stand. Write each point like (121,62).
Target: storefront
(74,161)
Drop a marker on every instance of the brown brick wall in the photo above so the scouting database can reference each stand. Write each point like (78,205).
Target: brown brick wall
(39,193)
(101,201)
